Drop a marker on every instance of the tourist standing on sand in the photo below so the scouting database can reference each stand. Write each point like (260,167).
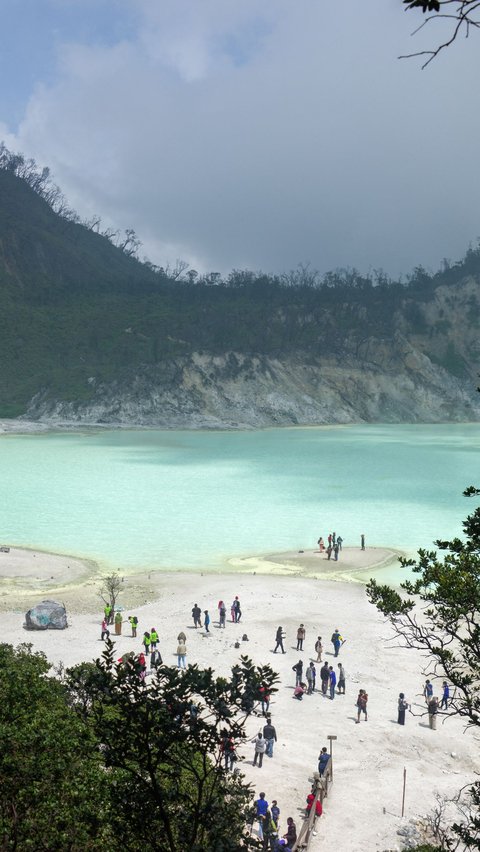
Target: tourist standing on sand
(445,696)
(428,691)
(332,681)
(118,623)
(270,736)
(402,707)
(362,705)
(323,760)
(222,614)
(107,612)
(321,544)
(153,639)
(432,713)
(260,749)
(341,680)
(181,655)
(329,552)
(311,675)
(298,669)
(362,541)
(142,663)
(335,552)
(237,609)
(264,696)
(337,641)
(319,649)
(133,624)
(196,615)
(261,807)
(325,677)
(105,631)
(155,659)
(206,620)
(146,642)
(339,541)
(329,539)
(300,637)
(279,637)
(227,749)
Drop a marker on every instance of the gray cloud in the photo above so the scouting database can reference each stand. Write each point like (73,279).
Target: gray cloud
(261,135)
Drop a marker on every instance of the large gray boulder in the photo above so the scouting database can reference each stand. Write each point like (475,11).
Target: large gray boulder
(47,615)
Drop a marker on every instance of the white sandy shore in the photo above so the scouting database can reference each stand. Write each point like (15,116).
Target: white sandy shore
(364,805)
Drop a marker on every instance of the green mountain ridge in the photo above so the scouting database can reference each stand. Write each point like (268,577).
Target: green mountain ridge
(90,334)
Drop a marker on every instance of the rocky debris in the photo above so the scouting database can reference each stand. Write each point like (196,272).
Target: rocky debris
(47,615)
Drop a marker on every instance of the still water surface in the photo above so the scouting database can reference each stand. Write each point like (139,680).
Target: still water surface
(136,499)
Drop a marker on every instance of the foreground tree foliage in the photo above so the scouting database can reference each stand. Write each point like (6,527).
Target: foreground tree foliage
(440,615)
(52,784)
(101,760)
(161,746)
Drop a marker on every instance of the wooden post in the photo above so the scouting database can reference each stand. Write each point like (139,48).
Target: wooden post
(404,785)
(331,737)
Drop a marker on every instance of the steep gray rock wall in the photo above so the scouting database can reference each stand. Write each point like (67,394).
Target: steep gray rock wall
(392,382)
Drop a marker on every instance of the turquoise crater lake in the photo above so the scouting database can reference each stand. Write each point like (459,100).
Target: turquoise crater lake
(138,499)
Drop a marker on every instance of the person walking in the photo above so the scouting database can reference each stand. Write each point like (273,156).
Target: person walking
(196,615)
(181,655)
(341,680)
(337,641)
(311,675)
(323,760)
(133,624)
(105,634)
(270,736)
(146,642)
(264,696)
(333,682)
(118,623)
(153,639)
(325,677)
(298,669)
(432,712)
(261,808)
(300,637)
(319,649)
(260,749)
(445,696)
(206,620)
(402,707)
(279,637)
(362,705)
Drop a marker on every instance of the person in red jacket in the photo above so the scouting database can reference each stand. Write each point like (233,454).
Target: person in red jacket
(318,805)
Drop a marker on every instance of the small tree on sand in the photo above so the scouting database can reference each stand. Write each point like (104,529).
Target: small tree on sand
(161,746)
(442,619)
(110,589)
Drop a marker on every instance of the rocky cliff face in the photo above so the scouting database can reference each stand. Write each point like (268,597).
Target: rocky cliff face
(388,381)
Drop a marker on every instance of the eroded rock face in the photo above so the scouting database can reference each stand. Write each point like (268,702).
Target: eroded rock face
(47,615)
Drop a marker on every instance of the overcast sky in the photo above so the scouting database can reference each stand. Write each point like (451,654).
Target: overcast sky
(251,133)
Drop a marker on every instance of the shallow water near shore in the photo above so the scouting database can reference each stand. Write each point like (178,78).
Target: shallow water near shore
(145,499)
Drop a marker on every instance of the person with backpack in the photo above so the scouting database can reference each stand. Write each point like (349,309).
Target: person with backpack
(146,642)
(298,669)
(107,612)
(337,641)
(133,624)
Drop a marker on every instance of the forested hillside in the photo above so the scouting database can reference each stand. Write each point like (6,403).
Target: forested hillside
(85,324)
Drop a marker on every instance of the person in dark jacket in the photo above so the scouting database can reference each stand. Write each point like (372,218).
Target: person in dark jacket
(325,677)
(402,707)
(270,735)
(196,615)
(279,637)
(298,669)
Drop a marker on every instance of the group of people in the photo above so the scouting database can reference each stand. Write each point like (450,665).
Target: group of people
(334,545)
(432,702)
(268,826)
(235,613)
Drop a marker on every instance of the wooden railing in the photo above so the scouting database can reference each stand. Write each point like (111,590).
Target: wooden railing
(321,783)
